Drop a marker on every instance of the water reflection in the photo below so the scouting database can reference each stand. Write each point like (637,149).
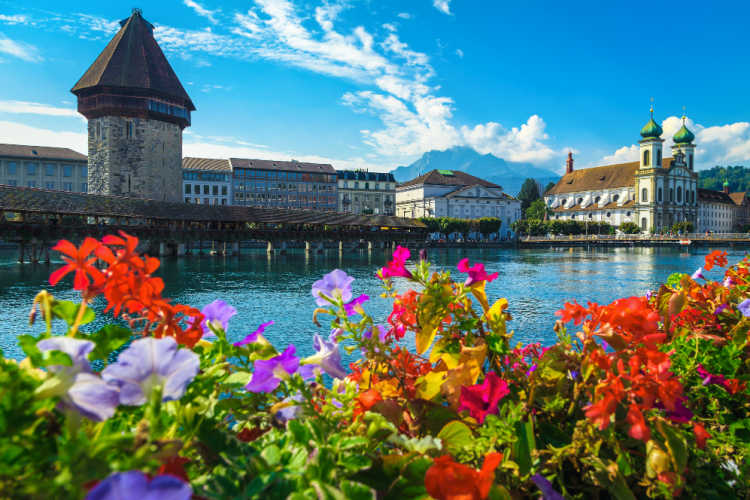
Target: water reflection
(264,287)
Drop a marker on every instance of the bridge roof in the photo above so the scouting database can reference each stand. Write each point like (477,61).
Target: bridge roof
(42,201)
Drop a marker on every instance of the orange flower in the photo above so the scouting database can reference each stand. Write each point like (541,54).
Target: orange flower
(448,480)
(80,261)
(365,401)
(700,435)
(715,258)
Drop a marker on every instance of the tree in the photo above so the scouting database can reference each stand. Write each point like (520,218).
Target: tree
(537,210)
(549,186)
(529,192)
(630,228)
(489,225)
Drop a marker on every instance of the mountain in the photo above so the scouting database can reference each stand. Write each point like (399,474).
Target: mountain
(737,176)
(510,175)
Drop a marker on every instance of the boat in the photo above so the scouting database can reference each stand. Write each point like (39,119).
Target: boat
(685,242)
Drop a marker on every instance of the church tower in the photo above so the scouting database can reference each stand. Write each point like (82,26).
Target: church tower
(136,109)
(683,142)
(651,144)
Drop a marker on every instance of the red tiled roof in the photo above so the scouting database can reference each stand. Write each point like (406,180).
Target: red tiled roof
(612,205)
(605,177)
(455,178)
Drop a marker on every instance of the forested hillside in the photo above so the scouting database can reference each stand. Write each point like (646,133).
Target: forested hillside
(738,177)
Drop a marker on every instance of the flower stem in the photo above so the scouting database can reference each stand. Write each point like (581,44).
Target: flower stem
(79,318)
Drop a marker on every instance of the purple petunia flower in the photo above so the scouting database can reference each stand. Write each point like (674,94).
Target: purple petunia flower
(548,492)
(255,336)
(710,378)
(744,307)
(531,370)
(148,363)
(267,374)
(80,389)
(382,333)
(328,356)
(680,414)
(351,306)
(135,484)
(286,410)
(649,294)
(727,282)
(698,274)
(336,285)
(720,309)
(218,313)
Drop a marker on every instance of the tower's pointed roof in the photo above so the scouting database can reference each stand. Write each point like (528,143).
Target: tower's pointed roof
(133,60)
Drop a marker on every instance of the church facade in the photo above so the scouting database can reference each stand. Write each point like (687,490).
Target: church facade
(654,192)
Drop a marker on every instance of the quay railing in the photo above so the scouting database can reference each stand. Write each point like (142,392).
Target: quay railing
(639,237)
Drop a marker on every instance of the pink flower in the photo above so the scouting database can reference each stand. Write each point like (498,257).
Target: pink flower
(476,272)
(396,267)
(482,399)
(710,378)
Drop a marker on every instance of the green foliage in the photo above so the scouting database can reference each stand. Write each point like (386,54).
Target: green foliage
(683,227)
(630,228)
(529,192)
(738,177)
(450,225)
(537,227)
(537,210)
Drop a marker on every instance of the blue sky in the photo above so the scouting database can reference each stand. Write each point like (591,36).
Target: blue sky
(377,83)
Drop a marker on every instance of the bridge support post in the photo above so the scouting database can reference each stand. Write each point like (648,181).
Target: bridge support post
(236,248)
(282,251)
(341,246)
(269,248)
(307,248)
(321,247)
(180,249)
(162,249)
(369,247)
(46,254)
(21,251)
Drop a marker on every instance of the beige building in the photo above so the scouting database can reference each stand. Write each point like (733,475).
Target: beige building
(42,167)
(368,193)
(717,212)
(653,192)
(452,193)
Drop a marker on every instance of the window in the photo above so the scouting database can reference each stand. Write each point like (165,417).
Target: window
(609,214)
(31,169)
(690,161)
(206,190)
(12,168)
(646,158)
(84,187)
(187,199)
(31,184)
(84,171)
(679,194)
(224,190)
(616,197)
(659,195)
(644,195)
(67,171)
(12,182)
(580,200)
(49,185)
(597,199)
(67,186)
(187,188)
(658,158)
(49,170)
(671,194)
(130,129)
(216,190)
(223,201)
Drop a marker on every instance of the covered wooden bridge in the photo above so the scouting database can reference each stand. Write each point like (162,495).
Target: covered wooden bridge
(36,218)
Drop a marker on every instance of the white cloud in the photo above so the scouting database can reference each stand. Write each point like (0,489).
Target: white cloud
(460,53)
(35,108)
(404,15)
(714,145)
(14,19)
(201,11)
(20,133)
(522,144)
(20,50)
(443,6)
(389,27)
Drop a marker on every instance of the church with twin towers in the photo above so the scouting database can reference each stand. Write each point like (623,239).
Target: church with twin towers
(136,109)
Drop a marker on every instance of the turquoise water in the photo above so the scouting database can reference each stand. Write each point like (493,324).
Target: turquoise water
(536,283)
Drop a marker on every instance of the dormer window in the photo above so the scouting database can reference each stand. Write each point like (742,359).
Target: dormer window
(597,199)
(616,197)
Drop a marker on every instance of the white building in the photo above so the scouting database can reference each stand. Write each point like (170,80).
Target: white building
(653,192)
(207,181)
(452,193)
(716,211)
(42,167)
(368,193)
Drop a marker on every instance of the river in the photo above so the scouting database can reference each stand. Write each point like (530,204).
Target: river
(535,282)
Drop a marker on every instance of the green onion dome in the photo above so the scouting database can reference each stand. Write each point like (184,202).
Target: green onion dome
(683,136)
(726,183)
(651,130)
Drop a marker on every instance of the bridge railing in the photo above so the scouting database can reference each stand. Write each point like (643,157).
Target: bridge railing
(638,237)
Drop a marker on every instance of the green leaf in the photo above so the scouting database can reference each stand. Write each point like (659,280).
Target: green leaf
(523,446)
(28,345)
(50,358)
(456,436)
(238,379)
(356,491)
(271,454)
(355,462)
(108,339)
(67,311)
(498,492)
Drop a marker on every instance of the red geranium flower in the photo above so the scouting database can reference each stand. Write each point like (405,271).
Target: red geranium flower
(715,258)
(448,480)
(80,261)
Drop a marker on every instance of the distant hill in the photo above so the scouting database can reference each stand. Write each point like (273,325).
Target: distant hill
(509,175)
(713,178)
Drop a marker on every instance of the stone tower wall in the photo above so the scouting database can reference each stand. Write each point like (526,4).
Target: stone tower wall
(148,164)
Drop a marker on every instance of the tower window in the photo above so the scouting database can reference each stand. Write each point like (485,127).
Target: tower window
(644,195)
(679,194)
(658,157)
(646,158)
(659,195)
(671,194)
(690,161)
